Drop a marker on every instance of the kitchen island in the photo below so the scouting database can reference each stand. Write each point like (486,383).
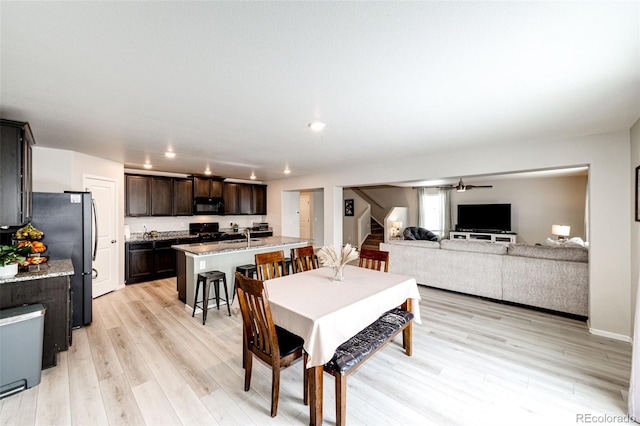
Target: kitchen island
(224,256)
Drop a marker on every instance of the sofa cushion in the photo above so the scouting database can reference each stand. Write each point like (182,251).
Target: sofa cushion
(572,254)
(417,243)
(473,246)
(416,233)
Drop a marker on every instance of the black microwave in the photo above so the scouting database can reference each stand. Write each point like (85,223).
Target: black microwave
(204,205)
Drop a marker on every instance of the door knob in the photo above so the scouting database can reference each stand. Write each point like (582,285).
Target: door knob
(113,241)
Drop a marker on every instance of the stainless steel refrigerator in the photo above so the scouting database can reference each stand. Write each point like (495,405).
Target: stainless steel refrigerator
(66,220)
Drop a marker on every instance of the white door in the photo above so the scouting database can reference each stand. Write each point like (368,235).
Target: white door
(305,215)
(103,193)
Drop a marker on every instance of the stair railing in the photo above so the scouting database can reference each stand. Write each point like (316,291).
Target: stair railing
(364,226)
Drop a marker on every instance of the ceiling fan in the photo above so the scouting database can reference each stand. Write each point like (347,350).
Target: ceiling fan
(461,187)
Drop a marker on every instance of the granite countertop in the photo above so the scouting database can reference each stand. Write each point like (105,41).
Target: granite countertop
(201,249)
(137,237)
(53,268)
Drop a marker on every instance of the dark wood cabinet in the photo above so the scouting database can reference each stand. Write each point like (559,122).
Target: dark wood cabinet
(259,199)
(139,262)
(151,260)
(55,294)
(148,195)
(245,199)
(158,196)
(15,172)
(164,259)
(138,195)
(161,196)
(207,187)
(182,197)
(230,195)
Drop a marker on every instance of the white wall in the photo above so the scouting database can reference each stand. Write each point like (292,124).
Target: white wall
(350,223)
(536,204)
(635,226)
(607,155)
(318,218)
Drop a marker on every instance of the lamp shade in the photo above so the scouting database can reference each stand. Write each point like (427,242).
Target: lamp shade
(397,225)
(561,230)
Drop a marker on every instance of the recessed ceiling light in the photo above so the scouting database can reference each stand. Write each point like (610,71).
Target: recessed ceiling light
(207,172)
(317,126)
(147,166)
(287,171)
(253,176)
(170,154)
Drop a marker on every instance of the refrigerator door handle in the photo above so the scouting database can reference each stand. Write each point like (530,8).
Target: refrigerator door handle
(94,274)
(95,227)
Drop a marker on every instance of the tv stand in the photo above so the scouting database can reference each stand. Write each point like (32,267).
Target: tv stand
(492,237)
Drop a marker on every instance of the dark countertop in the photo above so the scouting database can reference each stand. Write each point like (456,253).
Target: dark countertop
(53,268)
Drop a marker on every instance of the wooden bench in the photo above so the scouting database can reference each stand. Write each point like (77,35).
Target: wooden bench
(355,351)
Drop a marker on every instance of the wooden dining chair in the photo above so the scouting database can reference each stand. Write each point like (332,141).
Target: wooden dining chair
(270,265)
(274,345)
(374,259)
(303,259)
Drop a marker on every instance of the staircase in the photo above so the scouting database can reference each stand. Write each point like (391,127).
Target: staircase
(374,239)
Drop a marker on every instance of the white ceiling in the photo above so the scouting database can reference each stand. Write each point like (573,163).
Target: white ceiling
(233,85)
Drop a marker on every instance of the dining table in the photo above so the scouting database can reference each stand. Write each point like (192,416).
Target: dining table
(327,313)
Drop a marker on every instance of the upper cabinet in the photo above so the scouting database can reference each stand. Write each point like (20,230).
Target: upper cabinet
(244,198)
(138,195)
(161,196)
(230,192)
(15,172)
(208,187)
(182,196)
(158,196)
(150,195)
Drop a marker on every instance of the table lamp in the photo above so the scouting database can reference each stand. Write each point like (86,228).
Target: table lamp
(562,231)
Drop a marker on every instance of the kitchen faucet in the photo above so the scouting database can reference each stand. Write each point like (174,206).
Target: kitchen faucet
(247,232)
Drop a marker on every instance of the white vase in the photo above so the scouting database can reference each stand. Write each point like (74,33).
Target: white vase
(9,271)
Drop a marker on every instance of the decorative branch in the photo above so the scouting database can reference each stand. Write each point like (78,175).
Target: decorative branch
(329,256)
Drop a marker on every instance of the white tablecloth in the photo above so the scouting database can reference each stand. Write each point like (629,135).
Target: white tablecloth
(326,313)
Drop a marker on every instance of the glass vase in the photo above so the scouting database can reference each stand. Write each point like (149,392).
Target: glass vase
(338,273)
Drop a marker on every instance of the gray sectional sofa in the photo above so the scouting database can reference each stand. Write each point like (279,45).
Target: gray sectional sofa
(554,278)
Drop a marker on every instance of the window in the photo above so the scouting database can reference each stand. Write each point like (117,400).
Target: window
(434,211)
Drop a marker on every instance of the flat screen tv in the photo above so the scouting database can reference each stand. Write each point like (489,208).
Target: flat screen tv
(484,217)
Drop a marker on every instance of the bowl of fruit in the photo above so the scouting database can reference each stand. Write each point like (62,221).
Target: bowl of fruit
(29,232)
(35,251)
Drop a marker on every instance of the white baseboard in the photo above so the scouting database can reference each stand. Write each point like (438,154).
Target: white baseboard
(610,335)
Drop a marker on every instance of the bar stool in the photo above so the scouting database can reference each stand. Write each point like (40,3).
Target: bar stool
(205,278)
(248,270)
(287,264)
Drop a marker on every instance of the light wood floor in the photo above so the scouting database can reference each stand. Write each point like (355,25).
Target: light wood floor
(144,360)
